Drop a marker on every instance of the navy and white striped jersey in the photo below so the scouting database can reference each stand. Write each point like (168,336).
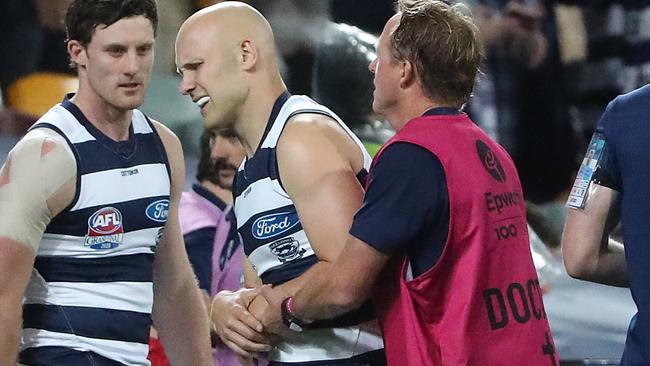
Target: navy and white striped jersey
(90,296)
(277,245)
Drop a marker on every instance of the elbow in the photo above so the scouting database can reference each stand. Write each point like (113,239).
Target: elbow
(347,299)
(578,267)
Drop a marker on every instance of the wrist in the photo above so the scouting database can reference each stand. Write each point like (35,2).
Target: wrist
(289,317)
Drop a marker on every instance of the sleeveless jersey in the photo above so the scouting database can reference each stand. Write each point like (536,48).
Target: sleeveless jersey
(481,303)
(90,296)
(277,245)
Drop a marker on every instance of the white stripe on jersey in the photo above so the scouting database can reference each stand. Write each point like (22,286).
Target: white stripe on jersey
(67,123)
(258,200)
(152,180)
(134,242)
(127,353)
(265,260)
(140,124)
(332,343)
(128,296)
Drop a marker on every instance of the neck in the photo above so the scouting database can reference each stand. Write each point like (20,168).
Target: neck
(111,121)
(409,108)
(224,194)
(253,119)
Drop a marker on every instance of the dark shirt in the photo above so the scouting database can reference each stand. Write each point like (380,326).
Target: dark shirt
(406,206)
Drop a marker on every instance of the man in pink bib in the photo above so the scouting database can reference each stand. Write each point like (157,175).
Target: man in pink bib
(440,243)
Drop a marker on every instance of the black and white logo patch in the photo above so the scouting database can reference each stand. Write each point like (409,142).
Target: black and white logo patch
(287,249)
(490,161)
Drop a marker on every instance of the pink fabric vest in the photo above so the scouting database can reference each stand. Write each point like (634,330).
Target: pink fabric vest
(481,304)
(196,212)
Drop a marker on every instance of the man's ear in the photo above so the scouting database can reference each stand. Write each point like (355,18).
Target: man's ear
(77,53)
(248,54)
(408,76)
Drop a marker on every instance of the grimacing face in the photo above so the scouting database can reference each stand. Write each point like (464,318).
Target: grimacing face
(210,76)
(118,60)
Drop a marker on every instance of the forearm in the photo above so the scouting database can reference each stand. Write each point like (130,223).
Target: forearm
(10,318)
(609,268)
(183,329)
(317,295)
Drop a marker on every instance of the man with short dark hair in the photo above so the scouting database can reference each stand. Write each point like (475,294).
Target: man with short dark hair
(441,237)
(90,245)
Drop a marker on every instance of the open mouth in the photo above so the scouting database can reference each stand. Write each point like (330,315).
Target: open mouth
(202,101)
(130,85)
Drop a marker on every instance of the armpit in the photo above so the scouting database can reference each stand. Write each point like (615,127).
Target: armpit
(34,173)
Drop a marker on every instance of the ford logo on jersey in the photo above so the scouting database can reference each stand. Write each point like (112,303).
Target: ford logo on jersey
(275,224)
(104,229)
(158,211)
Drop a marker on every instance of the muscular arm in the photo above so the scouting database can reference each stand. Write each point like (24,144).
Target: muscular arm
(178,311)
(589,253)
(318,163)
(36,183)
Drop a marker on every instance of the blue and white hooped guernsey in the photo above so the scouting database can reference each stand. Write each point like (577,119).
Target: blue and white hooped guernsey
(277,245)
(90,296)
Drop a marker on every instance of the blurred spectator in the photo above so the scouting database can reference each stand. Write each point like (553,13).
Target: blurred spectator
(209,228)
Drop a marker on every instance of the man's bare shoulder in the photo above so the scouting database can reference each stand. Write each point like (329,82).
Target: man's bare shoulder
(37,181)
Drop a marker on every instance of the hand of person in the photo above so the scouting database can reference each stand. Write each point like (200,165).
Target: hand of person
(272,317)
(237,328)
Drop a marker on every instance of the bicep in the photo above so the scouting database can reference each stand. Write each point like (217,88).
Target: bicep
(587,229)
(323,186)
(36,182)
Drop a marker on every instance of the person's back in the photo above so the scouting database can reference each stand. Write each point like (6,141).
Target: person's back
(624,126)
(492,294)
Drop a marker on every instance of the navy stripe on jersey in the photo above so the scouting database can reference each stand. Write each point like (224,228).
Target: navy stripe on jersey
(93,161)
(261,166)
(258,229)
(134,217)
(122,268)
(89,322)
(61,356)
(288,271)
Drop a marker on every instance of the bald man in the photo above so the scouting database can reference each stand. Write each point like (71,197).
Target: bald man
(295,193)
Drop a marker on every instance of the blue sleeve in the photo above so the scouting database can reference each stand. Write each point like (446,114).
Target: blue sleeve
(608,172)
(406,206)
(199,244)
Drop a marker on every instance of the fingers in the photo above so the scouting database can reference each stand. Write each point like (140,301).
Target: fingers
(238,329)
(243,329)
(241,345)
(273,296)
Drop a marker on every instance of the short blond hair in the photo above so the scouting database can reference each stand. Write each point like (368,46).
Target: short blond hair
(442,42)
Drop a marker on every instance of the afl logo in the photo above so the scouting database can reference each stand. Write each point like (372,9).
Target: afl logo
(275,224)
(158,211)
(490,161)
(104,229)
